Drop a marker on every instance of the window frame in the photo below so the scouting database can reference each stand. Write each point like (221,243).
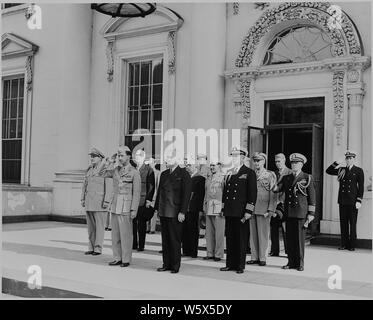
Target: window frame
(25,134)
(126,84)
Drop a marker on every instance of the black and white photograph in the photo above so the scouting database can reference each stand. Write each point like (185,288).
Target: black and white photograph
(186,151)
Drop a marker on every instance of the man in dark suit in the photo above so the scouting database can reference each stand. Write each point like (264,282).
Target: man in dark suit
(146,197)
(171,204)
(195,207)
(299,206)
(351,190)
(239,197)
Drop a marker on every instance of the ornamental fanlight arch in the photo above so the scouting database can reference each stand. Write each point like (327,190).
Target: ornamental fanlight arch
(346,51)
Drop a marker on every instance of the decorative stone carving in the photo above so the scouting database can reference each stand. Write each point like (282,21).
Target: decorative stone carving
(338,100)
(236,7)
(344,40)
(171,45)
(353,76)
(110,60)
(29,73)
(261,5)
(244,90)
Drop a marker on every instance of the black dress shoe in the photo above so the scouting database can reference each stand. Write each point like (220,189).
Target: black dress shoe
(115,263)
(300,268)
(162,269)
(160,251)
(239,271)
(272,254)
(174,271)
(226,269)
(342,248)
(208,258)
(217,259)
(351,249)
(193,257)
(287,267)
(140,249)
(126,264)
(96,253)
(262,263)
(88,252)
(252,262)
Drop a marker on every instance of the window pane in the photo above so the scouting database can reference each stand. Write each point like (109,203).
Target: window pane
(136,96)
(158,71)
(130,96)
(19,125)
(14,89)
(21,87)
(20,108)
(144,99)
(13,108)
(157,94)
(137,73)
(145,119)
(131,74)
(5,109)
(4,135)
(145,72)
(6,89)
(13,129)
(11,171)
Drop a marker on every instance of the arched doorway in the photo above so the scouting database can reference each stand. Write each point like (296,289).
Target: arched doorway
(296,74)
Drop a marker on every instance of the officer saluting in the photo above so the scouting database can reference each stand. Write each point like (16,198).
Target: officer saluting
(96,196)
(351,190)
(239,197)
(300,200)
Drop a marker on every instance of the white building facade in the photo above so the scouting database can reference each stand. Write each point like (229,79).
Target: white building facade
(285,74)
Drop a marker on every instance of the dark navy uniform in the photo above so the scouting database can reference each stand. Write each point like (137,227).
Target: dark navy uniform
(239,197)
(351,190)
(300,201)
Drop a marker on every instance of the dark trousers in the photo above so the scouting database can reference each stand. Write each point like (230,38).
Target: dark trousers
(276,224)
(295,239)
(171,230)
(190,234)
(139,230)
(237,234)
(348,219)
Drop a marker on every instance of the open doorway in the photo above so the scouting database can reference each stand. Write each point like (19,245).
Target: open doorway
(294,125)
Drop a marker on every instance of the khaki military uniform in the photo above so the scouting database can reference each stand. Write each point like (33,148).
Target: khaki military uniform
(96,192)
(215,222)
(260,225)
(126,198)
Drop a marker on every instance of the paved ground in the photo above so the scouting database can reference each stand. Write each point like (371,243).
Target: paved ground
(58,249)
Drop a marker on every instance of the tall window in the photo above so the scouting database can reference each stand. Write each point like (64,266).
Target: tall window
(144,104)
(12,124)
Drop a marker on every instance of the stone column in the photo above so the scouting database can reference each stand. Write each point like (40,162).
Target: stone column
(355,94)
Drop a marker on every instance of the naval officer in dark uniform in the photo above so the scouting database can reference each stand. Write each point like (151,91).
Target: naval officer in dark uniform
(173,195)
(300,203)
(239,197)
(351,190)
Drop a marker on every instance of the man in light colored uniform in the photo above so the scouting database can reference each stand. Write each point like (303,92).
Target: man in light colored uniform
(215,221)
(265,207)
(127,188)
(95,198)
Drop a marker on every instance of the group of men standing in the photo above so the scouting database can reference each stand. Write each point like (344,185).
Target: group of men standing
(242,205)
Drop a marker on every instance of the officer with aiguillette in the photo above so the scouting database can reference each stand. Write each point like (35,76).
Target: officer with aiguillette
(300,203)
